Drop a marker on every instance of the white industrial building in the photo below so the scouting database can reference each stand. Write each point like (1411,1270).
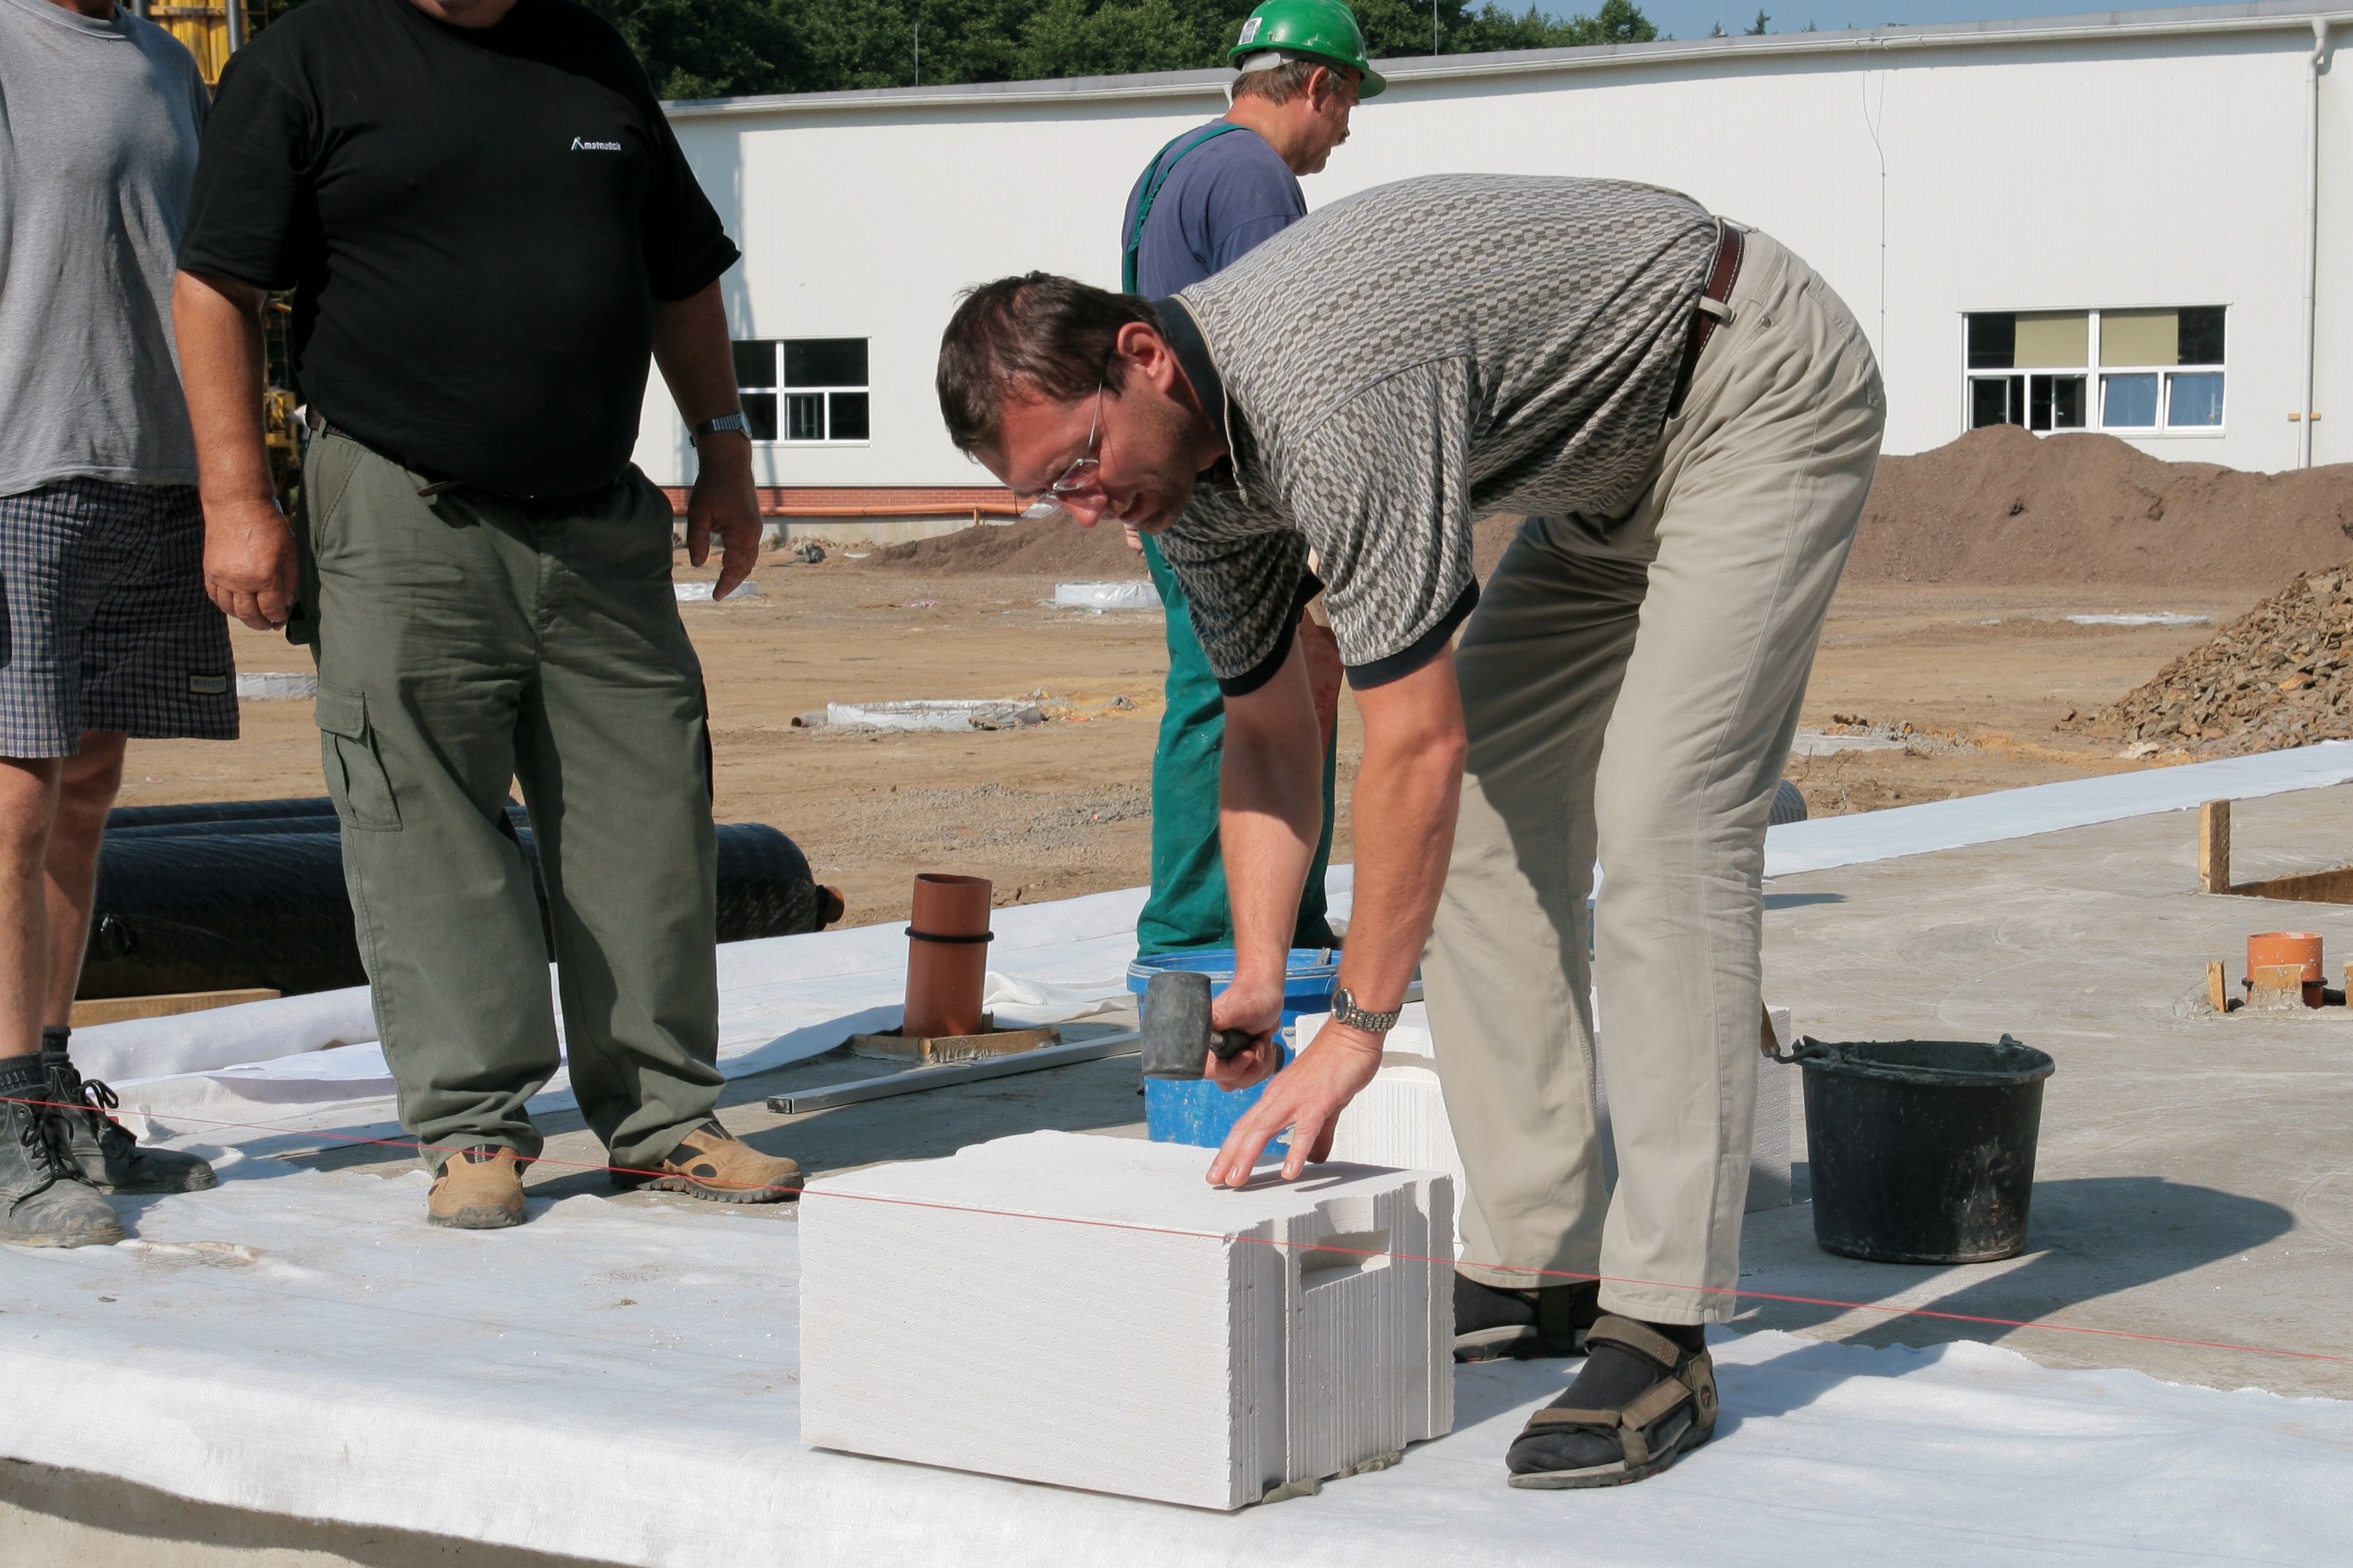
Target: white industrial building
(2138,222)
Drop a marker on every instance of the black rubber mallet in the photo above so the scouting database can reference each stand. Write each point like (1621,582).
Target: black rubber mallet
(1177,1037)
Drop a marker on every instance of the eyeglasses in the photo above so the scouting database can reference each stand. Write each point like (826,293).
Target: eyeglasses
(1077,479)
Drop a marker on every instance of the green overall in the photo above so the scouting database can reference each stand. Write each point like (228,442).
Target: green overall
(1188,908)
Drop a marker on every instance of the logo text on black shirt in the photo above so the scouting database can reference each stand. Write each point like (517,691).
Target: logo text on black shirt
(580,146)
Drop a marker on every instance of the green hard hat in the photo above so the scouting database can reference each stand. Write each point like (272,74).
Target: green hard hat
(1324,29)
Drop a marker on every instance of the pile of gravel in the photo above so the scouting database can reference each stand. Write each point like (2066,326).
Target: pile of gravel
(2281,674)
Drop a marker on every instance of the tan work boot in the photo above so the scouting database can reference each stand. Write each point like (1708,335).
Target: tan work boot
(713,1163)
(477,1189)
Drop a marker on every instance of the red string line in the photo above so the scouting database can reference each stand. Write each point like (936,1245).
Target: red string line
(413,1145)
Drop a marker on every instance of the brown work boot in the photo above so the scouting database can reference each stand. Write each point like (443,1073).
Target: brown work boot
(713,1163)
(477,1189)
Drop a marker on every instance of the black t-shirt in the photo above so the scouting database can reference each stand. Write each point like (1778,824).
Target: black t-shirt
(476,223)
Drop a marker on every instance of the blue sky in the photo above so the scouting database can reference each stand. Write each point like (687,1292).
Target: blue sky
(1692,18)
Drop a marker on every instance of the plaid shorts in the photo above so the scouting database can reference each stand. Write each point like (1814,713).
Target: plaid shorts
(105,624)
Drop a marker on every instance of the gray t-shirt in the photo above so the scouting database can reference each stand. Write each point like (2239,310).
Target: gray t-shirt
(1403,361)
(98,123)
(1223,198)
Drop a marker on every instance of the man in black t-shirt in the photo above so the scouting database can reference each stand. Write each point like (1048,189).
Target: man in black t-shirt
(488,226)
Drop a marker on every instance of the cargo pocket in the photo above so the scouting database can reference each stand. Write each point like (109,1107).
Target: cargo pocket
(355,774)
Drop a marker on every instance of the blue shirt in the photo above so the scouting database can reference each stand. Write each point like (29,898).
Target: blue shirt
(1219,200)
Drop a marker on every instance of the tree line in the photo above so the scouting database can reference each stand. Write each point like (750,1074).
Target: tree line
(718,48)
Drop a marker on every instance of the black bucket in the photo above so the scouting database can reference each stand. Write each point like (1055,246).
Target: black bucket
(1922,1151)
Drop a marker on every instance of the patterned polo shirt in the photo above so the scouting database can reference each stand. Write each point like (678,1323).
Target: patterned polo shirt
(1402,362)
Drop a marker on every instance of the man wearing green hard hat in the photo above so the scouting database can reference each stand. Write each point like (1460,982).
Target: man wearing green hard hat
(1323,30)
(1207,197)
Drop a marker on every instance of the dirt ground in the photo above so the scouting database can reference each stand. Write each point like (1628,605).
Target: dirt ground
(1982,675)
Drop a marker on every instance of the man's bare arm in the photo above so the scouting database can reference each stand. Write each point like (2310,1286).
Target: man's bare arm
(697,361)
(249,560)
(1406,791)
(1270,813)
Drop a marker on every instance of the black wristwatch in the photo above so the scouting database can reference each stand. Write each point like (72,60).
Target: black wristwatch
(1345,1011)
(736,421)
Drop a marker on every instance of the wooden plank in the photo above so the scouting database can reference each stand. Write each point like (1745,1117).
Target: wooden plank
(2214,846)
(98,1010)
(938,1051)
(2217,988)
(2309,887)
(2275,988)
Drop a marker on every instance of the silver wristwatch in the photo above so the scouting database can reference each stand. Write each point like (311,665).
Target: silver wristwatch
(1345,1011)
(736,421)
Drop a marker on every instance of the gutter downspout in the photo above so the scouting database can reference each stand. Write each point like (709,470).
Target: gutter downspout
(2306,416)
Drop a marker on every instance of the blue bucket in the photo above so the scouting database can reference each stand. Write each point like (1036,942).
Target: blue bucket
(1201,1114)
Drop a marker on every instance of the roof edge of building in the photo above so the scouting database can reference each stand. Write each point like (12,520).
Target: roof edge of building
(2257,15)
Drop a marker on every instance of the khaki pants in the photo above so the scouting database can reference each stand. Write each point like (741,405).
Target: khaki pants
(1632,685)
(467,642)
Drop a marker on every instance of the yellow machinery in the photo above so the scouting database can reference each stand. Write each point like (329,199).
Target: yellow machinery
(211,32)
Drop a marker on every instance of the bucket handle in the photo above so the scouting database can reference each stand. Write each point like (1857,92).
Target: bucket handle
(1809,1049)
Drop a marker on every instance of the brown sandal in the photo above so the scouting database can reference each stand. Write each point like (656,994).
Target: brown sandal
(1654,1428)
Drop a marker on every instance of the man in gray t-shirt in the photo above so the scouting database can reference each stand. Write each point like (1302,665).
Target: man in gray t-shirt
(109,633)
(1695,416)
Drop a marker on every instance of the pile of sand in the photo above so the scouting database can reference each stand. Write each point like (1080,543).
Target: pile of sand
(1999,505)
(1059,550)
(1071,554)
(2004,506)
(2281,674)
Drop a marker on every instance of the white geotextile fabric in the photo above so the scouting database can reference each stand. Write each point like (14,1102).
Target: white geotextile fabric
(618,1382)
(788,998)
(639,1361)
(781,1000)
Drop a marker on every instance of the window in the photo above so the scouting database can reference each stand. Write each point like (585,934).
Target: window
(803,389)
(2132,370)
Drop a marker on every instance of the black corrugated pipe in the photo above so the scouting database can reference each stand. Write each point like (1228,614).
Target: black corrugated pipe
(217,908)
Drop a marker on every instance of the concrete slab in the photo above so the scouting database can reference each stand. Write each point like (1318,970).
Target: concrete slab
(2194,1180)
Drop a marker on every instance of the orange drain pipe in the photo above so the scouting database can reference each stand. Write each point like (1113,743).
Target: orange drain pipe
(2296,947)
(947,956)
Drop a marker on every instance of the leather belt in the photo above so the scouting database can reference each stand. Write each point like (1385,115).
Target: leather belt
(1717,292)
(435,484)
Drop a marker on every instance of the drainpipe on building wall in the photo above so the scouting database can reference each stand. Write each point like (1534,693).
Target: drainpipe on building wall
(2305,416)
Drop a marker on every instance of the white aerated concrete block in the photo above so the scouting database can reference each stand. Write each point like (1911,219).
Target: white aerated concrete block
(1089,1311)
(1399,1119)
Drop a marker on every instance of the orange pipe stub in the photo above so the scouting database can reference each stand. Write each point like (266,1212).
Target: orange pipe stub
(948,955)
(2296,947)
